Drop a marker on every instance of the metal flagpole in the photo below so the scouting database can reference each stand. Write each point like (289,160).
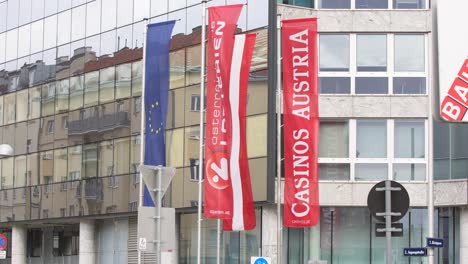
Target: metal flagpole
(430,173)
(202,134)
(218,242)
(142,126)
(158,217)
(278,141)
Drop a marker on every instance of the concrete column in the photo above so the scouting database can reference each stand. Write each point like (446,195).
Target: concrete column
(269,232)
(464,235)
(19,245)
(87,242)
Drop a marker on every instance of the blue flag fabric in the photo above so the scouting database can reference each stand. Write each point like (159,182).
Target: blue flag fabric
(158,39)
(156,90)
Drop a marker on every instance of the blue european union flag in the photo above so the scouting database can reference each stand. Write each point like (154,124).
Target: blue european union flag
(158,39)
(156,90)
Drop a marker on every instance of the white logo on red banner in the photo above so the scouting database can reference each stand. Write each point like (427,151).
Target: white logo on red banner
(301,122)
(222,22)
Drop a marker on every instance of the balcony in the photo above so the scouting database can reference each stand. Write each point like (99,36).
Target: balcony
(96,124)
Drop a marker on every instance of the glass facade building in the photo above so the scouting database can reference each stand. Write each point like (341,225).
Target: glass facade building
(70,105)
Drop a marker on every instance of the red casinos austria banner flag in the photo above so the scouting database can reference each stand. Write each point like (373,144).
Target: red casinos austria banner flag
(222,22)
(243,217)
(301,122)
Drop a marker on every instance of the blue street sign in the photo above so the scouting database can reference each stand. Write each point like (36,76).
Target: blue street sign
(435,242)
(260,260)
(415,252)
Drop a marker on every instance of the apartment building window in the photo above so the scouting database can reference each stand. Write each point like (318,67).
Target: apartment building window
(372,150)
(373,64)
(305,3)
(335,4)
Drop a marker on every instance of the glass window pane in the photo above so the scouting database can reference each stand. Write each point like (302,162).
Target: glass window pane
(10,108)
(179,27)
(409,172)
(76,92)
(7,173)
(335,85)
(334,172)
(11,44)
(21,135)
(12,14)
(64,27)
(256,136)
(409,4)
(108,43)
(78,23)
(371,85)
(106,85)
(3,16)
(22,105)
(110,13)
(91,88)
(90,160)
(409,85)
(125,12)
(2,111)
(24,41)
(176,5)
(37,35)
(48,99)
(33,135)
(64,4)
(135,154)
(137,71)
(142,9)
(33,169)
(371,4)
(371,172)
(106,158)
(193,65)
(60,165)
(122,156)
(34,103)
(61,104)
(409,139)
(458,150)
(25,12)
(334,142)
(175,147)
(351,235)
(371,139)
(51,7)
(177,69)
(334,52)
(159,7)
(50,32)
(74,162)
(409,53)
(2,47)
(371,52)
(46,167)
(124,39)
(93,14)
(123,80)
(335,4)
(38,7)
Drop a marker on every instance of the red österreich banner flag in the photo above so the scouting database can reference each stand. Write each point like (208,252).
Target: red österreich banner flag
(218,201)
(301,122)
(243,217)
